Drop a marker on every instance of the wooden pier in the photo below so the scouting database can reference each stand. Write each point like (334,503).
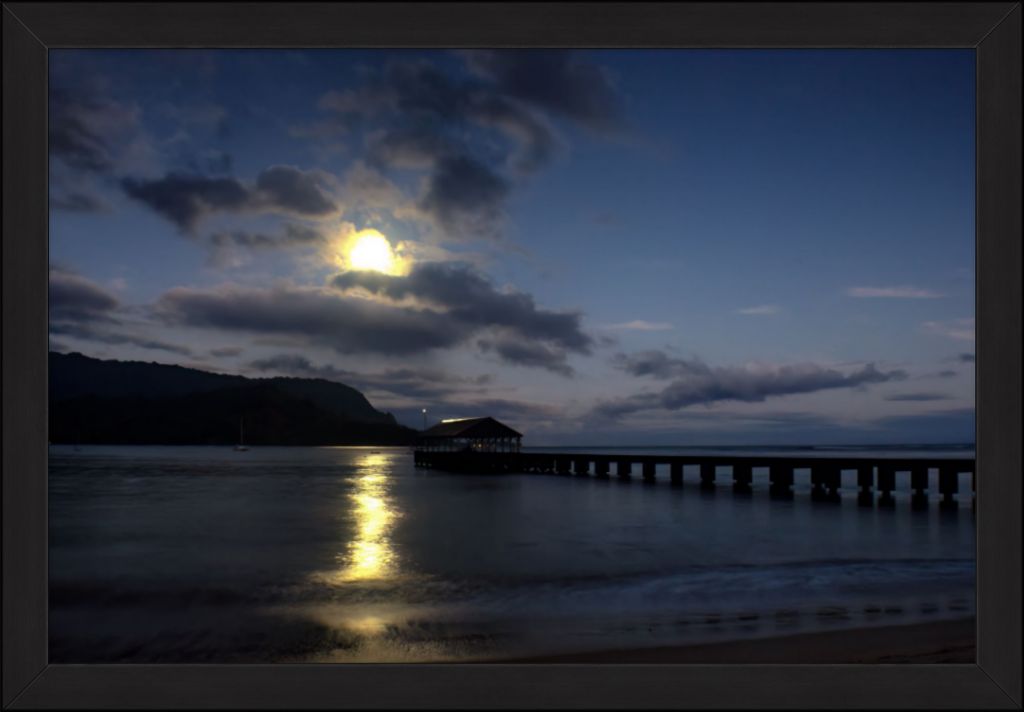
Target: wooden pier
(875,476)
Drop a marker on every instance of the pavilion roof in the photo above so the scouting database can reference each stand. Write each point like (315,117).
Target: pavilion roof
(470,428)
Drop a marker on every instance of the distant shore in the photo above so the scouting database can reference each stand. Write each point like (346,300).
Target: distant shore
(927,643)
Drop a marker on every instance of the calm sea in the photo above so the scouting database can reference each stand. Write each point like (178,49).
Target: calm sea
(202,554)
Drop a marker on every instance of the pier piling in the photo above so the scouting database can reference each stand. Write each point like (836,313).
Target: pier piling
(825,478)
(707,476)
(649,470)
(876,476)
(780,478)
(676,472)
(624,469)
(865,483)
(886,484)
(742,476)
(949,485)
(919,484)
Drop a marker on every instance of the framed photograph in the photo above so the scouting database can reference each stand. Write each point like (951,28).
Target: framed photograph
(506,355)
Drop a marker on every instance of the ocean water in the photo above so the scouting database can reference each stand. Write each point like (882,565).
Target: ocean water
(206,555)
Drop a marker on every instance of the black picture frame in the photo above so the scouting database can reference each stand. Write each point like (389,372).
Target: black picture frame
(992,30)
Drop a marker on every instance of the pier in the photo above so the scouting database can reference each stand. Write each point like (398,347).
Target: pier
(484,445)
(875,477)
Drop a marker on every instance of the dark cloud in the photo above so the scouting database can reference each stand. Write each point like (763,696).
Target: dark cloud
(529,132)
(292,190)
(436,306)
(227,351)
(90,133)
(465,197)
(470,298)
(555,80)
(965,358)
(186,199)
(416,147)
(226,247)
(82,309)
(528,353)
(292,235)
(946,374)
(656,364)
(78,299)
(76,123)
(698,383)
(346,325)
(916,397)
(467,132)
(103,335)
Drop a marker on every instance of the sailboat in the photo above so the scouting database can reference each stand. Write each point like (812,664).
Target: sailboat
(241,446)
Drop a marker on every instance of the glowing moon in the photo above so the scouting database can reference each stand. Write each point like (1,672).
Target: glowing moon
(371,251)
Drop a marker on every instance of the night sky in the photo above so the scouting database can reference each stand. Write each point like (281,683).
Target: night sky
(606,247)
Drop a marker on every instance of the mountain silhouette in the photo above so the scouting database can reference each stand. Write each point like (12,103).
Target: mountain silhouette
(93,401)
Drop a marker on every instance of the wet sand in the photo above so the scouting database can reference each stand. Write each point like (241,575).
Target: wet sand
(927,643)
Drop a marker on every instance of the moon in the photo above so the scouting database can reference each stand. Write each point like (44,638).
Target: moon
(371,251)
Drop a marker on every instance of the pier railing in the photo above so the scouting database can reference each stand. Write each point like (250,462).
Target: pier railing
(875,476)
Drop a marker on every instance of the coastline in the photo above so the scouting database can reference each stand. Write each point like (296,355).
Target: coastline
(936,642)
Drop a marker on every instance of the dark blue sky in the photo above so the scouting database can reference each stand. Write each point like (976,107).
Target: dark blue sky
(624,246)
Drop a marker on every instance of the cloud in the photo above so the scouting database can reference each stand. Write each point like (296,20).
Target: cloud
(916,397)
(656,364)
(531,354)
(903,292)
(469,135)
(226,351)
(82,309)
(465,197)
(641,325)
(965,358)
(229,247)
(186,199)
(98,334)
(87,129)
(553,80)
(956,329)
(695,382)
(310,315)
(75,298)
(91,137)
(760,310)
(533,136)
(291,190)
(469,298)
(416,147)
(92,134)
(435,306)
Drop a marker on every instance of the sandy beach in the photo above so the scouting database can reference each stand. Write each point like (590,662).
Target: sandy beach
(927,643)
